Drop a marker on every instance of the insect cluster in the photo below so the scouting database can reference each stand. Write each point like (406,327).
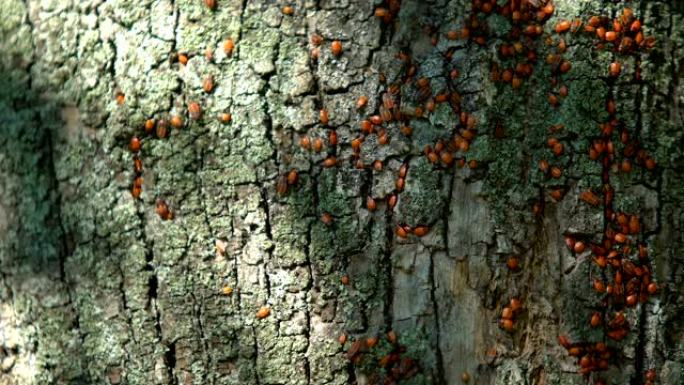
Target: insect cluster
(625,277)
(508,313)
(159,128)
(392,116)
(620,250)
(152,128)
(386,354)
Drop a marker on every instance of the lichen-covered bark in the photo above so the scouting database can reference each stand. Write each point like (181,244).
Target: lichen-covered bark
(96,289)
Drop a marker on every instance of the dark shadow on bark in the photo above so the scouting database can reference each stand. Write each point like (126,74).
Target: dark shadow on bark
(33,246)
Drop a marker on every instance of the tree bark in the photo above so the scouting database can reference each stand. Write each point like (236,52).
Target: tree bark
(96,288)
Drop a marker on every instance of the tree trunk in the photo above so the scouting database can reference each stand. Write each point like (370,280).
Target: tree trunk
(96,287)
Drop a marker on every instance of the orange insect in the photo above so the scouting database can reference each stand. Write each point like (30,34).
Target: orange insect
(336,48)
(263,312)
(391,201)
(506,324)
(194,110)
(323,116)
(149,126)
(137,165)
(562,26)
(228,47)
(163,211)
(135,144)
(370,203)
(162,129)
(318,145)
(381,12)
(292,177)
(614,69)
(281,185)
(361,102)
(225,117)
(512,263)
(400,184)
(327,219)
(316,40)
(330,161)
(421,231)
(176,121)
(136,191)
(208,84)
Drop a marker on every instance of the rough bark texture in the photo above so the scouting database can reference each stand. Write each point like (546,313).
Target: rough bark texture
(96,289)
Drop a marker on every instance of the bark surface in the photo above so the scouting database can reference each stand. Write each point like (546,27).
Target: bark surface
(96,289)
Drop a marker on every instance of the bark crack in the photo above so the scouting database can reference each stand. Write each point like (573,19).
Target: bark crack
(441,379)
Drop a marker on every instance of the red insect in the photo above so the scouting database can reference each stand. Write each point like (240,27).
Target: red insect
(336,48)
